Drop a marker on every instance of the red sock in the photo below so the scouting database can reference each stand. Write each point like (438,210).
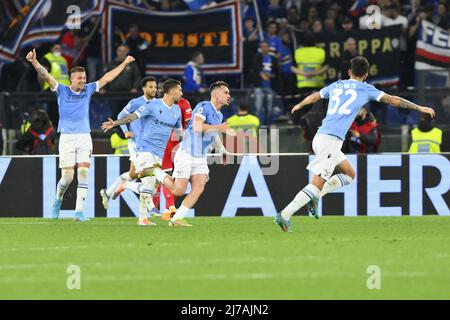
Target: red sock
(170,199)
(156,197)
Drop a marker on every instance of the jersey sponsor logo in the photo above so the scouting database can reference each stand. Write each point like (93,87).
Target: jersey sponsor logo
(162,123)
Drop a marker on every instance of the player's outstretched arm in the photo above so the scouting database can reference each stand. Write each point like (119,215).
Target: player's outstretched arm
(42,72)
(312,98)
(398,102)
(108,125)
(111,75)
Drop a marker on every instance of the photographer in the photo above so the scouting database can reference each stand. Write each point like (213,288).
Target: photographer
(39,138)
(364,134)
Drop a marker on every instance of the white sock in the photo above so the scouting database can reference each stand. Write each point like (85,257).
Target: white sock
(302,198)
(181,212)
(82,190)
(64,183)
(160,175)
(335,182)
(134,186)
(145,199)
(124,176)
(146,194)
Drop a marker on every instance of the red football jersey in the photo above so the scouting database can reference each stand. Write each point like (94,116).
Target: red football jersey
(186,114)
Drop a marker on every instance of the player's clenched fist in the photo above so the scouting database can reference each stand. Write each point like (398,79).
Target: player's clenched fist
(129,59)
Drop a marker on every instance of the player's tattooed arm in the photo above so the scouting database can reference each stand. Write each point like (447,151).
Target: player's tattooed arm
(42,72)
(108,125)
(398,102)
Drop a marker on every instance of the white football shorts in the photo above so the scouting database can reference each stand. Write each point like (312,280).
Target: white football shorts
(74,148)
(185,165)
(146,160)
(327,149)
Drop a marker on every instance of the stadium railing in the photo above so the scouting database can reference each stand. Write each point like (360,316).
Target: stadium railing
(394,124)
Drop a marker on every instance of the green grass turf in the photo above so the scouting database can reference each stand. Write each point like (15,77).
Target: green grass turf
(227,258)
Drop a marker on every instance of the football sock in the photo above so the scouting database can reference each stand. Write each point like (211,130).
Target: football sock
(134,186)
(124,176)
(170,198)
(156,196)
(147,189)
(64,182)
(160,175)
(335,182)
(82,190)
(181,212)
(302,198)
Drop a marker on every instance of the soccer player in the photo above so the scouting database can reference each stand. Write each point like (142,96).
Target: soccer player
(346,98)
(149,87)
(190,159)
(159,117)
(75,143)
(167,162)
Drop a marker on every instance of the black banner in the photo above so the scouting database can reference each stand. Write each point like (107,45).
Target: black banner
(381,47)
(43,21)
(172,38)
(386,185)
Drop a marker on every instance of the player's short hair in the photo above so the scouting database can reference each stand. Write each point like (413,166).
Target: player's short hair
(147,79)
(217,85)
(170,84)
(77,69)
(359,66)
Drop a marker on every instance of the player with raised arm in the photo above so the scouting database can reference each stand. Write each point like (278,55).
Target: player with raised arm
(75,143)
(346,99)
(149,87)
(158,118)
(190,159)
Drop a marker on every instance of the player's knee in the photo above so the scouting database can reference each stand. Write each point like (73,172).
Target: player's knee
(82,174)
(179,191)
(67,176)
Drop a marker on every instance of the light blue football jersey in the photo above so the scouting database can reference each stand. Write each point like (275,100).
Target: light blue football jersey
(157,122)
(197,144)
(346,99)
(74,108)
(131,107)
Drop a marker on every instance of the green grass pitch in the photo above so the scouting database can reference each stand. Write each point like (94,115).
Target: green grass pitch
(227,258)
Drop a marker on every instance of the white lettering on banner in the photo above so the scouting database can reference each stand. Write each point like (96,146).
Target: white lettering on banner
(376,186)
(49,190)
(416,165)
(4,164)
(251,171)
(249,167)
(350,191)
(439,37)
